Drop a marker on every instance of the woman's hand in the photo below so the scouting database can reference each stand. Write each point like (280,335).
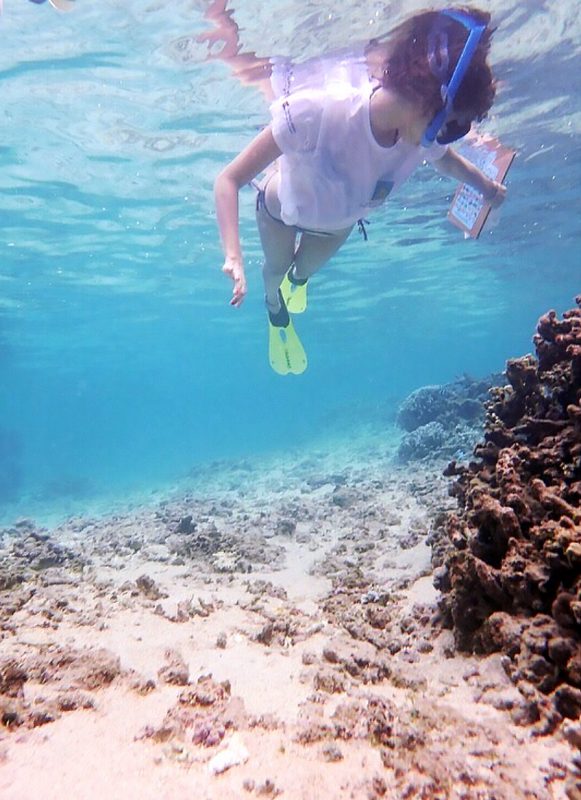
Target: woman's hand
(455,166)
(234,268)
(494,193)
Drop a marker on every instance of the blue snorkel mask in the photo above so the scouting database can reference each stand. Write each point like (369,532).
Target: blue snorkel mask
(448,125)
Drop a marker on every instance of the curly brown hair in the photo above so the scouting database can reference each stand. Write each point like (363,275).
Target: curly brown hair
(407,71)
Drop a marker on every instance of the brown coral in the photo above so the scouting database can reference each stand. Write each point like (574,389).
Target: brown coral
(512,573)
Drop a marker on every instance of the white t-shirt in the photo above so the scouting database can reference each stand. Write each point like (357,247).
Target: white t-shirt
(332,169)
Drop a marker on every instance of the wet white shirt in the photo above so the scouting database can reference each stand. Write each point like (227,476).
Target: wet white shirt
(332,169)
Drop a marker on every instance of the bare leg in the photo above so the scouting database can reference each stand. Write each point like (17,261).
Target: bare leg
(280,247)
(278,244)
(314,252)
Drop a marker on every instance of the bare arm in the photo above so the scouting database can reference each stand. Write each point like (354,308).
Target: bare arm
(261,152)
(455,166)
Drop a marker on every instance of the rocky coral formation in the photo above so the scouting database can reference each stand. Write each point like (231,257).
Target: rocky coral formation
(510,560)
(35,688)
(443,421)
(205,711)
(28,553)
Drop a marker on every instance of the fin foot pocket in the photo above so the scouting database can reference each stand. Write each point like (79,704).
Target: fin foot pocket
(294,294)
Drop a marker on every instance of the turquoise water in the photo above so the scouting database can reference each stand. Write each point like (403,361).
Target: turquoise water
(123,366)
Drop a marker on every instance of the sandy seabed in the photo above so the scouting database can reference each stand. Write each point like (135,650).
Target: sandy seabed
(269,630)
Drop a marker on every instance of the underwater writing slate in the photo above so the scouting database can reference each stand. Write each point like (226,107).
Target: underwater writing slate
(469,211)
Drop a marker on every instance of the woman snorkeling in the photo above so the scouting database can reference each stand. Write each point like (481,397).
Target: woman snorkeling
(345,133)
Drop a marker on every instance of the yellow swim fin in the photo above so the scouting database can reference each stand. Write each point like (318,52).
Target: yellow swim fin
(294,294)
(285,351)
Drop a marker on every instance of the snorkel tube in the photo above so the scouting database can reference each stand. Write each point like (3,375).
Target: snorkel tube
(438,61)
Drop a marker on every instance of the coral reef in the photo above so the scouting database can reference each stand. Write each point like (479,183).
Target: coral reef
(443,421)
(275,632)
(425,441)
(509,562)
